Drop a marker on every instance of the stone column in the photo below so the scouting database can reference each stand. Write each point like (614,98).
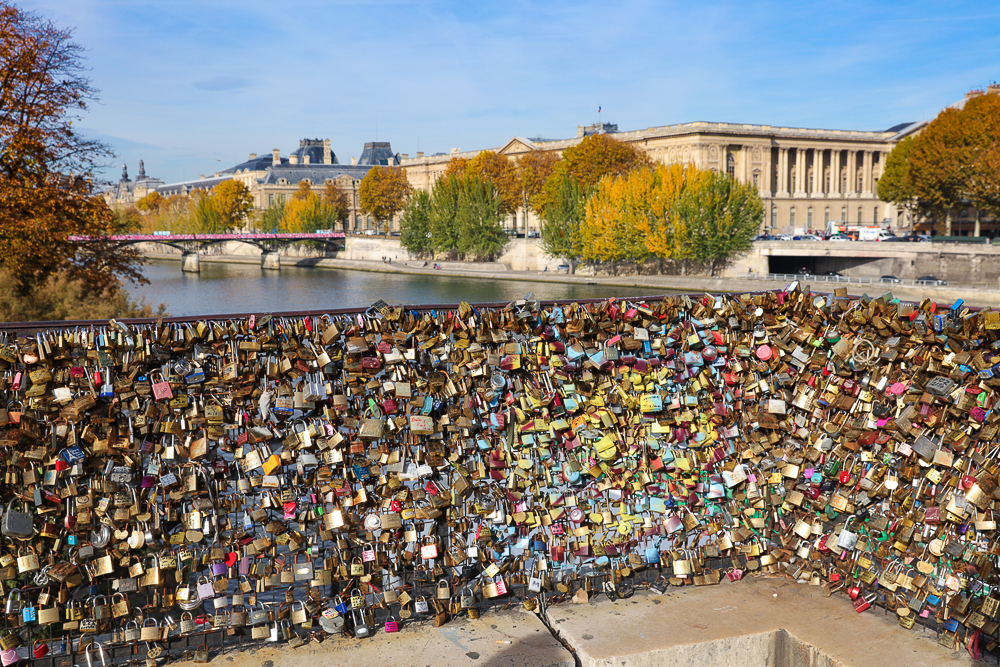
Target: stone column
(834,173)
(866,174)
(852,173)
(782,172)
(800,172)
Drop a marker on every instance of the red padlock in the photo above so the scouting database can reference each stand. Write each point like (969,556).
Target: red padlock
(40,649)
(854,591)
(845,476)
(862,604)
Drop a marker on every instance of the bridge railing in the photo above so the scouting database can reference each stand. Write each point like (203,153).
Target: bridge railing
(856,280)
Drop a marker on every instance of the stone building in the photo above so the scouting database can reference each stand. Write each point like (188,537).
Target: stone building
(126,191)
(806,177)
(271,177)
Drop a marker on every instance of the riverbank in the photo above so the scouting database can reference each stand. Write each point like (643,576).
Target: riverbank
(972,295)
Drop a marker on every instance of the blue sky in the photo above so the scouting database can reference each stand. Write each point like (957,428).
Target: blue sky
(193,87)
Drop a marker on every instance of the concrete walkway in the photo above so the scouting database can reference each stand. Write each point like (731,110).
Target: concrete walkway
(752,623)
(973,295)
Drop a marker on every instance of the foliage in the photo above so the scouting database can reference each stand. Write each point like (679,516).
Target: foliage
(597,156)
(463,216)
(896,183)
(151,203)
(722,216)
(272,216)
(953,161)
(563,215)
(205,216)
(498,169)
(232,203)
(383,192)
(445,201)
(457,166)
(414,225)
(534,169)
(480,219)
(305,215)
(61,297)
(47,167)
(674,213)
(339,200)
(303,191)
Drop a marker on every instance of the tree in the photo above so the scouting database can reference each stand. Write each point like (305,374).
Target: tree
(502,173)
(150,203)
(564,211)
(47,202)
(303,191)
(271,219)
(896,182)
(232,203)
(339,200)
(722,215)
(414,225)
(480,219)
(383,192)
(534,169)
(442,221)
(306,215)
(597,156)
(205,216)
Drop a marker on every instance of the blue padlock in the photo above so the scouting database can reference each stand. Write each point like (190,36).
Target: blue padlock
(29,614)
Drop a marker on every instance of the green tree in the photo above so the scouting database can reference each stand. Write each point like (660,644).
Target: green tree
(564,211)
(722,216)
(481,210)
(205,215)
(442,221)
(383,192)
(272,217)
(414,225)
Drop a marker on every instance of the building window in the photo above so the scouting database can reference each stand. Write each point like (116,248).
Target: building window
(756,179)
(859,215)
(774,216)
(731,166)
(809,217)
(875,215)
(826,216)
(791,216)
(843,214)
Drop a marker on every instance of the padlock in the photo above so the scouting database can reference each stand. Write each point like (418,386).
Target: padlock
(360,624)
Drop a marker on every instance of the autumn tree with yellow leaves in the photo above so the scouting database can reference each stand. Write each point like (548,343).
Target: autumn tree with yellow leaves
(692,218)
(384,192)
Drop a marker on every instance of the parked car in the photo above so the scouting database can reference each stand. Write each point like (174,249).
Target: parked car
(534,235)
(840,237)
(763,237)
(931,280)
(806,237)
(782,237)
(890,279)
(563,268)
(833,273)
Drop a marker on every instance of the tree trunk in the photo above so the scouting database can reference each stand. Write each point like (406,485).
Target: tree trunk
(947,223)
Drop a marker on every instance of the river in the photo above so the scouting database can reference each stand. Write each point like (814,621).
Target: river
(240,288)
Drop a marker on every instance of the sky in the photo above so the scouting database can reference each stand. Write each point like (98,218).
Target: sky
(195,87)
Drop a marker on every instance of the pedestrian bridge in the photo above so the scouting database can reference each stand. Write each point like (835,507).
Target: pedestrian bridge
(191,245)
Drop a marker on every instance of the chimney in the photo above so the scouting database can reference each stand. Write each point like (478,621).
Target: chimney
(327,155)
(420,154)
(293,159)
(455,151)
(404,156)
(993,89)
(253,156)
(354,160)
(579,131)
(276,157)
(305,159)
(973,93)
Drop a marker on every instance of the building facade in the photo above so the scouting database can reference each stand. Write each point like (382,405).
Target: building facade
(807,178)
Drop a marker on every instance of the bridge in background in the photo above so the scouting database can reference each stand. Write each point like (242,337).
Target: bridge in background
(191,245)
(954,262)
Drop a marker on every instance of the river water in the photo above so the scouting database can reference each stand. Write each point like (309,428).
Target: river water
(244,288)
